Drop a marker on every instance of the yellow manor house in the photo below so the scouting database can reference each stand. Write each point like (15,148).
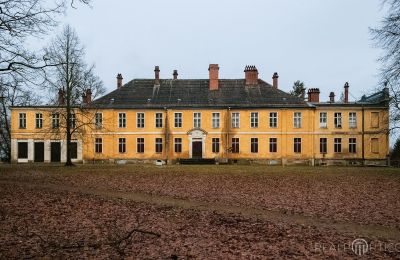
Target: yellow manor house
(207,120)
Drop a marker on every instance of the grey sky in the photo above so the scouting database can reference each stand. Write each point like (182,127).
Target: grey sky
(321,42)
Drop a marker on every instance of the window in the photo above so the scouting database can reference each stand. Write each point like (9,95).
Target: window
(235,120)
(74,150)
(122,145)
(140,145)
(297,120)
(374,119)
(121,120)
(178,119)
(22,150)
(39,120)
(159,145)
(352,120)
(72,121)
(323,145)
(235,145)
(323,120)
(197,120)
(215,120)
(140,120)
(215,145)
(337,146)
(55,120)
(374,145)
(98,120)
(178,145)
(98,145)
(297,145)
(22,120)
(352,145)
(254,145)
(254,119)
(273,119)
(273,145)
(337,119)
(159,120)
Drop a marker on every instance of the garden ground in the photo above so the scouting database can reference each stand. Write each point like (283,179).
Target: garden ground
(144,211)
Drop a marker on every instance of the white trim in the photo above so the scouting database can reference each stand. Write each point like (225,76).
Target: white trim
(328,132)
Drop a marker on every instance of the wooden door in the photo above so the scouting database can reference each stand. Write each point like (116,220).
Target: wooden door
(197,149)
(39,152)
(55,152)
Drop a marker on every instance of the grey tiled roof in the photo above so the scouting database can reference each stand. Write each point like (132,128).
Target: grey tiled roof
(141,93)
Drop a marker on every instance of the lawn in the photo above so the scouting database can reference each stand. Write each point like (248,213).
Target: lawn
(144,211)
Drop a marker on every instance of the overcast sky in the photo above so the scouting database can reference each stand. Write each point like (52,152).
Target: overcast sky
(323,43)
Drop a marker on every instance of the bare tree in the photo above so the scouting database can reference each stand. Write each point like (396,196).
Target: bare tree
(72,79)
(387,37)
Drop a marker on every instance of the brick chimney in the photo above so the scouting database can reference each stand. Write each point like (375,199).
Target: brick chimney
(332,97)
(61,98)
(157,76)
(213,74)
(175,74)
(275,80)
(119,80)
(346,92)
(313,95)
(251,75)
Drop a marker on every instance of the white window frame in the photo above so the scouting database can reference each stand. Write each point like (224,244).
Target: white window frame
(337,120)
(98,121)
(351,139)
(254,119)
(159,120)
(352,119)
(22,120)
(323,120)
(140,122)
(337,142)
(196,119)
(121,120)
(215,119)
(178,120)
(235,121)
(38,120)
(55,117)
(178,143)
(273,120)
(73,121)
(297,118)
(96,144)
(122,143)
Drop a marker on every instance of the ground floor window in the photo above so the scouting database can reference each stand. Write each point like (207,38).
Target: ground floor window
(297,145)
(273,145)
(254,145)
(122,145)
(323,145)
(98,145)
(140,145)
(352,145)
(22,150)
(337,145)
(215,145)
(159,145)
(178,145)
(235,145)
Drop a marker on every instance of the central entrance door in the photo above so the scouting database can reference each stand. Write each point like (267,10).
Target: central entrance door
(197,149)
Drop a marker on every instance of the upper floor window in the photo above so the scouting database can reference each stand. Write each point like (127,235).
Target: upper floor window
(55,120)
(98,120)
(197,120)
(297,145)
(140,145)
(39,120)
(273,145)
(22,120)
(121,120)
(159,120)
(352,120)
(254,119)
(178,119)
(337,146)
(374,119)
(352,145)
(337,119)
(323,145)
(235,120)
(323,120)
(215,120)
(254,145)
(98,145)
(273,119)
(72,121)
(140,120)
(297,120)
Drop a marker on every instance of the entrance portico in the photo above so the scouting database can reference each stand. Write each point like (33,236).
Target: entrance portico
(197,143)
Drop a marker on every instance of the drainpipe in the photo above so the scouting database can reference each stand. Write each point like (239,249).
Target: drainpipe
(166,130)
(228,129)
(362,134)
